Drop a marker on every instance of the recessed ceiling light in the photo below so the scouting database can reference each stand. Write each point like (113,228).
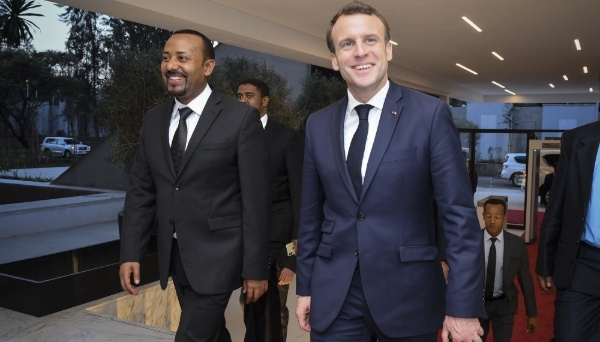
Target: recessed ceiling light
(215,43)
(585,70)
(393,42)
(469,70)
(472,24)
(498,84)
(565,77)
(497,55)
(577,45)
(591,90)
(510,92)
(551,85)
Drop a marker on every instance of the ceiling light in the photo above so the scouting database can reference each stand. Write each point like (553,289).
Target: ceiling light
(577,45)
(591,90)
(215,43)
(585,70)
(393,42)
(498,84)
(469,70)
(497,55)
(472,24)
(510,92)
(565,77)
(551,85)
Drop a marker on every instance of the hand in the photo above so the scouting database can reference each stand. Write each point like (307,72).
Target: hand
(462,329)
(125,272)
(303,312)
(286,276)
(254,289)
(532,324)
(545,283)
(446,270)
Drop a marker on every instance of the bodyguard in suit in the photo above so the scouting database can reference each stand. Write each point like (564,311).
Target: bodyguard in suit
(201,169)
(505,258)
(374,163)
(286,151)
(569,252)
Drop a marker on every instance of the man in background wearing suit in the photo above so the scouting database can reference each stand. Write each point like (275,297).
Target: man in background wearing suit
(569,252)
(505,258)
(374,163)
(286,150)
(201,169)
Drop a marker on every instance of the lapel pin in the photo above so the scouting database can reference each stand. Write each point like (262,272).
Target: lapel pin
(393,112)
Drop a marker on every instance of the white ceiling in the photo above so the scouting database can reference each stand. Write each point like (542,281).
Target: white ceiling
(536,39)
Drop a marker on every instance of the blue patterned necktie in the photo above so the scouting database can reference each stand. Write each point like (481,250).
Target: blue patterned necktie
(357,148)
(180,138)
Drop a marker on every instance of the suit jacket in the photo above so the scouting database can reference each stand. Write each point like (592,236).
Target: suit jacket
(516,264)
(416,158)
(286,152)
(567,208)
(217,203)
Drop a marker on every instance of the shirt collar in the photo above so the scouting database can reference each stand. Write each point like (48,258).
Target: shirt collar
(376,101)
(487,236)
(264,119)
(197,104)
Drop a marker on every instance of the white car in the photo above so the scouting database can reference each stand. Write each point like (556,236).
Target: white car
(63,146)
(515,164)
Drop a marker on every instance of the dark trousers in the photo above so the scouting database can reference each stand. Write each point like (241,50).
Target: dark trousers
(262,318)
(577,308)
(202,316)
(284,311)
(355,323)
(502,325)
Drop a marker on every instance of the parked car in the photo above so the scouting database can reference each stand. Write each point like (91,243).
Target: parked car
(515,164)
(63,146)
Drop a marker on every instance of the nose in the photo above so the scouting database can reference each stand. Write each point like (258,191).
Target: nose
(360,50)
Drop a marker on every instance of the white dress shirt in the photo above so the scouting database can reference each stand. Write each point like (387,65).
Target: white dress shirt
(487,244)
(264,119)
(197,105)
(351,123)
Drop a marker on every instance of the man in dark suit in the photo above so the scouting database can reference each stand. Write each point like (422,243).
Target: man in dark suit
(374,163)
(201,170)
(505,258)
(286,150)
(569,252)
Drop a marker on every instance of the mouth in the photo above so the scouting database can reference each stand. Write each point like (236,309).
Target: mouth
(175,78)
(362,67)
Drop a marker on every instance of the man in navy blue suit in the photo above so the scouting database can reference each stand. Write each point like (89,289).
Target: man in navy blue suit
(375,162)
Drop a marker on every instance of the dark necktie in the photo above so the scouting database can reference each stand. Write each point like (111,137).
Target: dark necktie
(357,148)
(491,271)
(180,138)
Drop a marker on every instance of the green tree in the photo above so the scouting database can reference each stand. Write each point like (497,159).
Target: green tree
(27,81)
(133,85)
(230,71)
(129,36)
(14,28)
(319,91)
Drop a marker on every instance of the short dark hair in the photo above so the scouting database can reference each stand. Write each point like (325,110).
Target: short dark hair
(261,86)
(495,201)
(208,51)
(356,7)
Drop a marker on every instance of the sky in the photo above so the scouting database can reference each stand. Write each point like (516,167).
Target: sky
(52,33)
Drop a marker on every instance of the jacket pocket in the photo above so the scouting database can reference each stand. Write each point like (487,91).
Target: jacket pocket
(212,146)
(389,157)
(327,226)
(324,251)
(417,253)
(217,223)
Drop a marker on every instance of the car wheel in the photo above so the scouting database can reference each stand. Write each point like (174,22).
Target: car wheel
(67,154)
(516,178)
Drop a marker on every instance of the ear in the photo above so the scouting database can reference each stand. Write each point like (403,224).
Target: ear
(334,62)
(209,66)
(388,50)
(265,101)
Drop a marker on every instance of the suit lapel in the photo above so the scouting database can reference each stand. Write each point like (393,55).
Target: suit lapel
(586,156)
(387,125)
(165,122)
(209,114)
(337,136)
(270,131)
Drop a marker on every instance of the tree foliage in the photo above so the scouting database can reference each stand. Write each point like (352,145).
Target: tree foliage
(319,91)
(230,71)
(14,28)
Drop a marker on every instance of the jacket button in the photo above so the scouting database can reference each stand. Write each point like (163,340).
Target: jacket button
(170,221)
(356,252)
(361,217)
(177,187)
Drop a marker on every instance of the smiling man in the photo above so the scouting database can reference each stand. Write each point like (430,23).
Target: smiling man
(374,163)
(201,169)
